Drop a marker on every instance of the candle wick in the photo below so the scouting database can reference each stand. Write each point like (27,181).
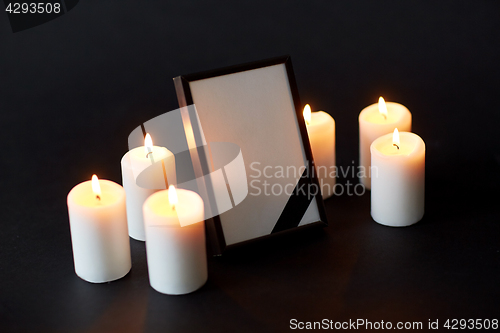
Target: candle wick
(395,145)
(148,154)
(173,207)
(98,197)
(385,117)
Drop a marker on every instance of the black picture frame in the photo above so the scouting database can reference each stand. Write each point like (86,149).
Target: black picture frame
(296,202)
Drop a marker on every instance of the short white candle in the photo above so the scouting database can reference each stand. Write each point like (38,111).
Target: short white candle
(133,163)
(321,131)
(398,180)
(98,224)
(175,241)
(374,121)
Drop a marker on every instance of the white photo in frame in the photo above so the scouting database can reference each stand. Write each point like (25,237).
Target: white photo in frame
(257,107)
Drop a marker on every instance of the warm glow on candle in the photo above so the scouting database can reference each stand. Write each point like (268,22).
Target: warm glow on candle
(307,114)
(382,108)
(395,138)
(96,187)
(172,196)
(148,144)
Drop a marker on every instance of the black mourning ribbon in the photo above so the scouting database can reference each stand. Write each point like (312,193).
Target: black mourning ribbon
(296,206)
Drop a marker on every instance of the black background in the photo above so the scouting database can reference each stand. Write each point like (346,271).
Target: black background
(71,90)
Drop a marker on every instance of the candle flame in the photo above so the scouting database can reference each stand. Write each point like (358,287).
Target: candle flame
(96,187)
(382,108)
(395,138)
(307,114)
(148,144)
(172,195)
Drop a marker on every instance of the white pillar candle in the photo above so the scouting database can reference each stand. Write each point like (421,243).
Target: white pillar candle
(398,179)
(99,236)
(133,163)
(321,131)
(374,121)
(175,241)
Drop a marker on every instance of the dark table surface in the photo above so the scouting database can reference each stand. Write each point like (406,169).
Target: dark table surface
(72,89)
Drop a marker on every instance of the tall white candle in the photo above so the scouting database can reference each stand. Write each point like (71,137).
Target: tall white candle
(398,180)
(321,131)
(175,241)
(99,236)
(133,163)
(374,121)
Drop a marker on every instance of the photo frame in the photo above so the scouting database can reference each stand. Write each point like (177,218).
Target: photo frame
(257,107)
